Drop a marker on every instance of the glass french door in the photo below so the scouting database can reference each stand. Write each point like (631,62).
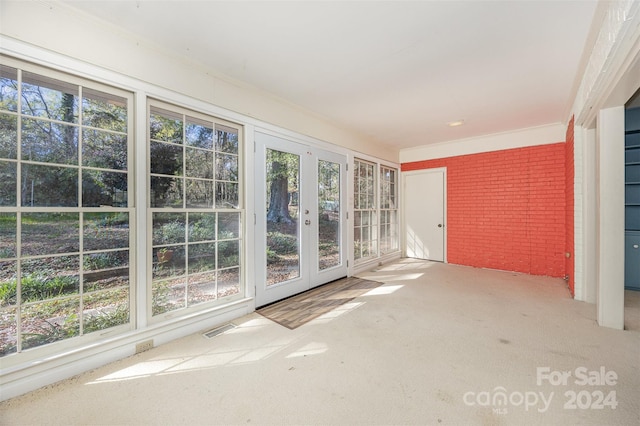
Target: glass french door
(300,195)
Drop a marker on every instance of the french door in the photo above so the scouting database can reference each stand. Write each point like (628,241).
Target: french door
(300,199)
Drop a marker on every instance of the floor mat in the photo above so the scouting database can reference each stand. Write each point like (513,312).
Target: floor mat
(302,308)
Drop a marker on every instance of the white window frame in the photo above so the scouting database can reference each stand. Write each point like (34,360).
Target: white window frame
(240,210)
(82,339)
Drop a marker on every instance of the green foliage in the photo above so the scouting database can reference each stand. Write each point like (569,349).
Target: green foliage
(8,293)
(272,256)
(49,332)
(169,233)
(97,261)
(160,298)
(202,229)
(107,219)
(106,318)
(37,287)
(282,243)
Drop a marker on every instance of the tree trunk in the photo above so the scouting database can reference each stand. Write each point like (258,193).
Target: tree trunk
(279,199)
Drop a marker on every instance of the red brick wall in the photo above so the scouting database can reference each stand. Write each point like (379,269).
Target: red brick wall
(569,265)
(506,209)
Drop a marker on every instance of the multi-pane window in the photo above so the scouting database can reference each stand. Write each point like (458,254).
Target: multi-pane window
(388,210)
(365,211)
(65,208)
(195,208)
(375,210)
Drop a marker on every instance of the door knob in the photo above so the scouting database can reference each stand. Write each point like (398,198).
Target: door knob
(439,225)
(307,222)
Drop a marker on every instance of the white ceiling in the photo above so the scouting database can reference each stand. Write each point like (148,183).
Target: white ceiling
(397,71)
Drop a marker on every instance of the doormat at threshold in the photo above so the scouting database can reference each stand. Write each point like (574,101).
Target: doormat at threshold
(302,308)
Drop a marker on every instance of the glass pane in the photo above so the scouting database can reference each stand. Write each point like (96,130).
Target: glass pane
(42,281)
(105,310)
(8,284)
(49,142)
(104,111)
(202,288)
(393,231)
(227,167)
(283,251)
(8,230)
(49,98)
(8,136)
(8,331)
(228,254)
(104,150)
(199,193)
(199,163)
(106,230)
(228,225)
(101,189)
(50,233)
(8,183)
(228,282)
(202,257)
(105,270)
(169,228)
(169,262)
(168,295)
(226,139)
(165,126)
(226,195)
(328,214)
(166,159)
(8,88)
(49,186)
(199,133)
(202,227)
(50,321)
(166,192)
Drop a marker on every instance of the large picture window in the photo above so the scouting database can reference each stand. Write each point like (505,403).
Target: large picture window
(65,208)
(195,211)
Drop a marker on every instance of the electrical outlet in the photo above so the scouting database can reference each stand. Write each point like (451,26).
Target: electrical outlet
(144,346)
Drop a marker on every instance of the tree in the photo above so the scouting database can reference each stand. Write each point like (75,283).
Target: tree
(282,176)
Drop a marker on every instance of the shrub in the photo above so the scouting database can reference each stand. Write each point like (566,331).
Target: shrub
(282,243)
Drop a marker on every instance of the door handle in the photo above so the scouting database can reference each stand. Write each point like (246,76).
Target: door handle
(439,225)
(307,222)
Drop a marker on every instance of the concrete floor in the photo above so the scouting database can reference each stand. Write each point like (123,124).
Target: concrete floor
(437,344)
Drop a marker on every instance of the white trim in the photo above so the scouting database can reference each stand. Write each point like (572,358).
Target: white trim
(542,135)
(610,225)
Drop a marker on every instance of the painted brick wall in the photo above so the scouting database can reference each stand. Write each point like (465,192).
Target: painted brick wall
(506,209)
(569,265)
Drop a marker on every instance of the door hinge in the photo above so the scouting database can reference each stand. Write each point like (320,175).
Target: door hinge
(254,146)
(255,220)
(347,215)
(347,166)
(347,263)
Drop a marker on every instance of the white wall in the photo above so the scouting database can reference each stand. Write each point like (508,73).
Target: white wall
(61,29)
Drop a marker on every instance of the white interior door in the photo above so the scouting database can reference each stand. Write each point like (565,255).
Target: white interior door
(424,214)
(300,210)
